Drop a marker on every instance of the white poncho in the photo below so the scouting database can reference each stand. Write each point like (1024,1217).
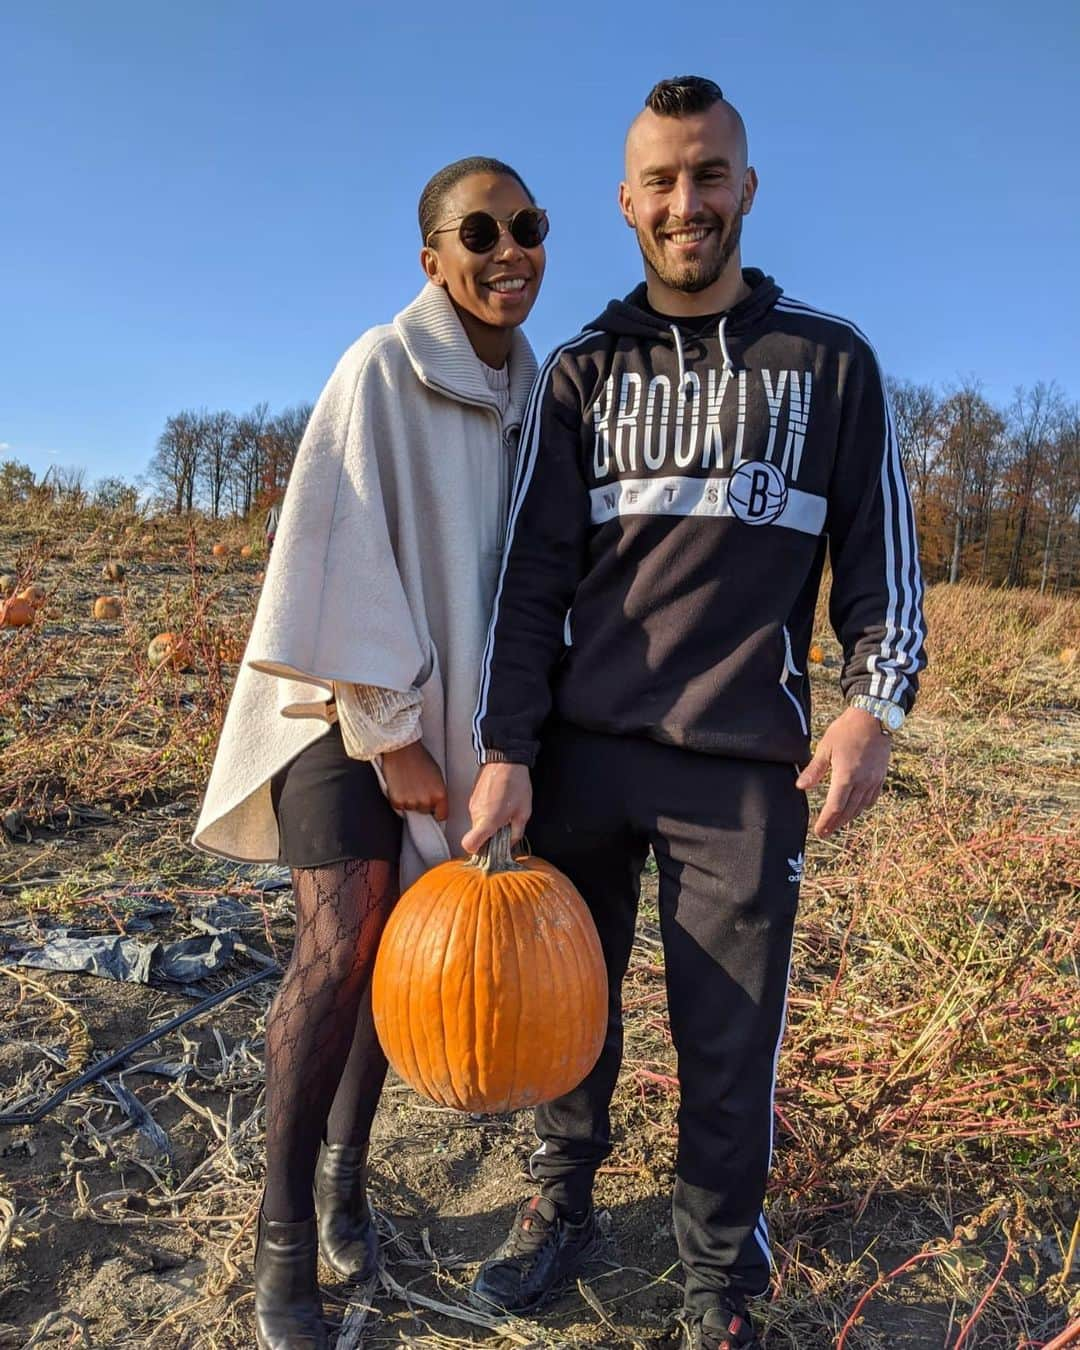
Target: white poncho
(382,573)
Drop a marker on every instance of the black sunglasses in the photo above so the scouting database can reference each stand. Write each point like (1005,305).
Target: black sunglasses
(480,231)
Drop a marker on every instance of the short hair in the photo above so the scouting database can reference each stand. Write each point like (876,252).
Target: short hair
(440,184)
(683,95)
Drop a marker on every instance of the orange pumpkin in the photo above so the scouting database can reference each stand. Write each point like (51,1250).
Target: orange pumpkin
(35,593)
(473,959)
(246,551)
(107,607)
(17,612)
(220,550)
(1068,656)
(113,571)
(816,654)
(170,649)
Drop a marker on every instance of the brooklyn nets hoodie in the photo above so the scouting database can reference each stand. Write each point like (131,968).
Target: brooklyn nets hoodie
(675,494)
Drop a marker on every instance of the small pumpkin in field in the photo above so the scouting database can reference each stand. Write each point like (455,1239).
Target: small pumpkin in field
(113,571)
(17,612)
(107,607)
(170,649)
(816,654)
(1068,656)
(474,958)
(35,593)
(220,550)
(8,584)
(246,551)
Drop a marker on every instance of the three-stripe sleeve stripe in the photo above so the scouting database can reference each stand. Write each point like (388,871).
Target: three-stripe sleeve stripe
(904,631)
(528,450)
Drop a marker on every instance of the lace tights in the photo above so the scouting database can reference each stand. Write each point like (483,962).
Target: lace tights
(324,1067)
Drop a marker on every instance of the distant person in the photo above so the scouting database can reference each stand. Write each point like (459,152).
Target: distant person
(271,525)
(346,750)
(689,459)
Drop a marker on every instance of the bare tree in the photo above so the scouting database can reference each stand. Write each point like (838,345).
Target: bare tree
(175,463)
(917,412)
(215,432)
(246,459)
(1031,417)
(280,442)
(970,426)
(1061,487)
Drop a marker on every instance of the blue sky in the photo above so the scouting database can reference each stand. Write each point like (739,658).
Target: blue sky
(204,204)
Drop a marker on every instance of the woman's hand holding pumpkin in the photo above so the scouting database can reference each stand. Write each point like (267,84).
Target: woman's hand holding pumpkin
(501,795)
(414,781)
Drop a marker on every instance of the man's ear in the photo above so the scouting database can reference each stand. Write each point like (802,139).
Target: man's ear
(432,265)
(749,190)
(626,206)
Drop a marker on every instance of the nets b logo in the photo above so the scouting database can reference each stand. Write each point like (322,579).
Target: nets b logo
(757,492)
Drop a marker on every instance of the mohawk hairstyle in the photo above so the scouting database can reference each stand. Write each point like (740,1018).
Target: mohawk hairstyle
(683,95)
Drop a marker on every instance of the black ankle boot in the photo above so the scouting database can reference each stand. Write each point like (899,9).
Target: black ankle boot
(347,1234)
(288,1309)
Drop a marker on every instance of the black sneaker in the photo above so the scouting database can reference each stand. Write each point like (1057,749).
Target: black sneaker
(541,1252)
(725,1327)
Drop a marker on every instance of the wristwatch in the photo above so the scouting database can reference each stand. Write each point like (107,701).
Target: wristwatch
(889,714)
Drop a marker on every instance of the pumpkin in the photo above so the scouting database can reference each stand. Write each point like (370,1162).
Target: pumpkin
(35,593)
(246,551)
(107,607)
(113,571)
(816,654)
(1068,656)
(8,584)
(17,612)
(170,649)
(220,550)
(473,959)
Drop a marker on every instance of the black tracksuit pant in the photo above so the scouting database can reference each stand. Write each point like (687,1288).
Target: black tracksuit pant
(728,837)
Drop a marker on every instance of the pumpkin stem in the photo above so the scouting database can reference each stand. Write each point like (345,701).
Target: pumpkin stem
(496,855)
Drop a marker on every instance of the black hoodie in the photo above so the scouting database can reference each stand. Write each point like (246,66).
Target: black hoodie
(673,498)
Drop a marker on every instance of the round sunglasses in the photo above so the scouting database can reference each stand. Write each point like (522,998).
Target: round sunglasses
(480,231)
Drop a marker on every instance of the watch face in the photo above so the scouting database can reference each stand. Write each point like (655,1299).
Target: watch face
(894,718)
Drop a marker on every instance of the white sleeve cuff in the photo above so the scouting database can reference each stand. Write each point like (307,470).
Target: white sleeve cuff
(375,721)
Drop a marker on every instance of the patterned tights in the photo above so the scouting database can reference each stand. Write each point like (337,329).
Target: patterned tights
(324,1067)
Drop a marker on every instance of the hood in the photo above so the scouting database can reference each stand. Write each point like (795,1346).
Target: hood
(629,318)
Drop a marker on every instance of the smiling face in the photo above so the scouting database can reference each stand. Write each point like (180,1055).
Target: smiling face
(686,191)
(492,292)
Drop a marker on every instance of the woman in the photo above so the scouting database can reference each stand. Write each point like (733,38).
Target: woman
(346,750)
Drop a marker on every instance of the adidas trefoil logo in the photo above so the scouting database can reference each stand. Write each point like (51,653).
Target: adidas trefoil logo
(796,865)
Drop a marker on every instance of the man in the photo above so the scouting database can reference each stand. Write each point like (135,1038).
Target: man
(688,459)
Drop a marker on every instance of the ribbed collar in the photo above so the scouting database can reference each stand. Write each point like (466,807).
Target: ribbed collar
(443,358)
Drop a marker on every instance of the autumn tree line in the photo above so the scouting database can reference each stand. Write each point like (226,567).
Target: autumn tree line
(996,489)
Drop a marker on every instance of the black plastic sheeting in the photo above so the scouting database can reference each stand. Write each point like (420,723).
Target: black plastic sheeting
(133,962)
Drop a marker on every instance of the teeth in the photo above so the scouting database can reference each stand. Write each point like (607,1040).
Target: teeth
(688,236)
(511,284)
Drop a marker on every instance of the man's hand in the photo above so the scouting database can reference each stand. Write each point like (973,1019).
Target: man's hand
(857,752)
(501,795)
(414,781)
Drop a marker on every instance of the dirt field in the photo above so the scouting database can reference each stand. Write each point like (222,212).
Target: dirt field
(924,1191)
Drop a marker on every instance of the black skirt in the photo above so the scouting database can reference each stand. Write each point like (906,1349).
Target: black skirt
(330,808)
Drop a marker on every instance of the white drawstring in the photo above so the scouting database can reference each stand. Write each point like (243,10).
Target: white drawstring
(728,366)
(684,374)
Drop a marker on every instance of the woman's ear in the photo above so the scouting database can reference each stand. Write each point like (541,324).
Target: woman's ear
(432,265)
